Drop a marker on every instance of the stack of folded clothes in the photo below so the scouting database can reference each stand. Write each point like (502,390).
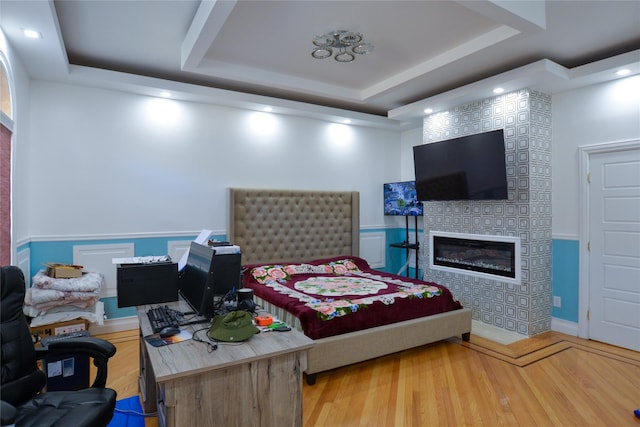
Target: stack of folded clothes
(74,297)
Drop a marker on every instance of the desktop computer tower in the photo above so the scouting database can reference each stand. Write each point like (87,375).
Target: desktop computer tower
(225,273)
(152,283)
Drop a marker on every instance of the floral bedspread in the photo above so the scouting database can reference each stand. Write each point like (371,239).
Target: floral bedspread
(344,294)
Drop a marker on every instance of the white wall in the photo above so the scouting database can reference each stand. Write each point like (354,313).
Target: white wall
(93,162)
(409,139)
(104,162)
(20,82)
(601,113)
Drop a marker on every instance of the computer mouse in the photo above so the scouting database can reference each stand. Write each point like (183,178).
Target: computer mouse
(169,331)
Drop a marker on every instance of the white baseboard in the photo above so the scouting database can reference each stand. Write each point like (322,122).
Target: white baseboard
(115,325)
(564,326)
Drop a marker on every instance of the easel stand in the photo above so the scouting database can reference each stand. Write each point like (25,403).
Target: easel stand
(409,246)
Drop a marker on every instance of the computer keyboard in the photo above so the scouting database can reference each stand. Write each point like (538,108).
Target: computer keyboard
(163,316)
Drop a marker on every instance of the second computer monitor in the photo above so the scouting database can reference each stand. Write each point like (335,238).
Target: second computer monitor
(207,277)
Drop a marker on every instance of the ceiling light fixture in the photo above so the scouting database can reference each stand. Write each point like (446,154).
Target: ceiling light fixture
(347,44)
(428,110)
(623,72)
(31,34)
(498,90)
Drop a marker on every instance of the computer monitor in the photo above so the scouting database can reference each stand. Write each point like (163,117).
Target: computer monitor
(139,284)
(208,277)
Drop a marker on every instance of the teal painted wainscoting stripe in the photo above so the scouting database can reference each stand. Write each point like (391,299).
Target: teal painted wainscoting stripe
(395,258)
(565,268)
(61,251)
(112,311)
(42,252)
(565,278)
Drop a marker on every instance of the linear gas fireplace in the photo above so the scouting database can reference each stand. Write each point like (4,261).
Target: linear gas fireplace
(495,257)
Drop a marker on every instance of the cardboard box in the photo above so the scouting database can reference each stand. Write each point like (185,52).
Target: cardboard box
(64,271)
(60,328)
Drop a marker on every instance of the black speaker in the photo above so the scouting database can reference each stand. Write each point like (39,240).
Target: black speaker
(245,300)
(245,294)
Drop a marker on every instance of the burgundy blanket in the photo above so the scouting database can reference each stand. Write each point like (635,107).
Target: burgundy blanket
(344,294)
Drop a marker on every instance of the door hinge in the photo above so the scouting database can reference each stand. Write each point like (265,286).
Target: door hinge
(589,246)
(589,177)
(588,314)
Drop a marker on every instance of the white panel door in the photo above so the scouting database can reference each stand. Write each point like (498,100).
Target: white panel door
(614,257)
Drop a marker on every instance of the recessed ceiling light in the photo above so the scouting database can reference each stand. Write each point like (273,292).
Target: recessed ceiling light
(428,110)
(347,121)
(165,94)
(31,34)
(498,90)
(623,72)
(268,109)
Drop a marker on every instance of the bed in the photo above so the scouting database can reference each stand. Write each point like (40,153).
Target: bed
(307,234)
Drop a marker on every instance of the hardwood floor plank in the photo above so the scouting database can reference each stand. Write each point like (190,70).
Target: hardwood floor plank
(377,384)
(551,380)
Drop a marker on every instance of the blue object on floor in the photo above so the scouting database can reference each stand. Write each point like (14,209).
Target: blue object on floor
(123,418)
(637,412)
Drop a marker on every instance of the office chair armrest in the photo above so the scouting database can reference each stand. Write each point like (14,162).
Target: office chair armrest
(94,347)
(8,413)
(98,349)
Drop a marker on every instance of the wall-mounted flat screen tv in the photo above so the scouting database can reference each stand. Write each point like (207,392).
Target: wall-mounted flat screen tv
(466,168)
(400,199)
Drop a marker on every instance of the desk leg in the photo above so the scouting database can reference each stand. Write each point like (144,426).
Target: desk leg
(146,380)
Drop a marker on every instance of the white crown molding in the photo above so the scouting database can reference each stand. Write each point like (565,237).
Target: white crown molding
(543,75)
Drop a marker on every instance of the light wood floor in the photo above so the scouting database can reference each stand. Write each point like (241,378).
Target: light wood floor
(549,380)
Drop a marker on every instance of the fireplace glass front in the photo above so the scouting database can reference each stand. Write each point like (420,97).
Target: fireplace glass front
(490,257)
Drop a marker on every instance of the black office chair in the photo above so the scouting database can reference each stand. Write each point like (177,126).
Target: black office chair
(23,403)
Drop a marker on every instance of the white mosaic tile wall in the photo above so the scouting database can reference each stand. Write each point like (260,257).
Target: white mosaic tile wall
(525,116)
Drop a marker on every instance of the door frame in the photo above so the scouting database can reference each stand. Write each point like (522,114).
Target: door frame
(585,152)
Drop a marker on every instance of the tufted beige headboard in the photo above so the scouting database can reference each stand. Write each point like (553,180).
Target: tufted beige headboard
(293,225)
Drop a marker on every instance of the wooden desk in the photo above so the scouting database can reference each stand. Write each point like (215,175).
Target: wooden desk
(254,383)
